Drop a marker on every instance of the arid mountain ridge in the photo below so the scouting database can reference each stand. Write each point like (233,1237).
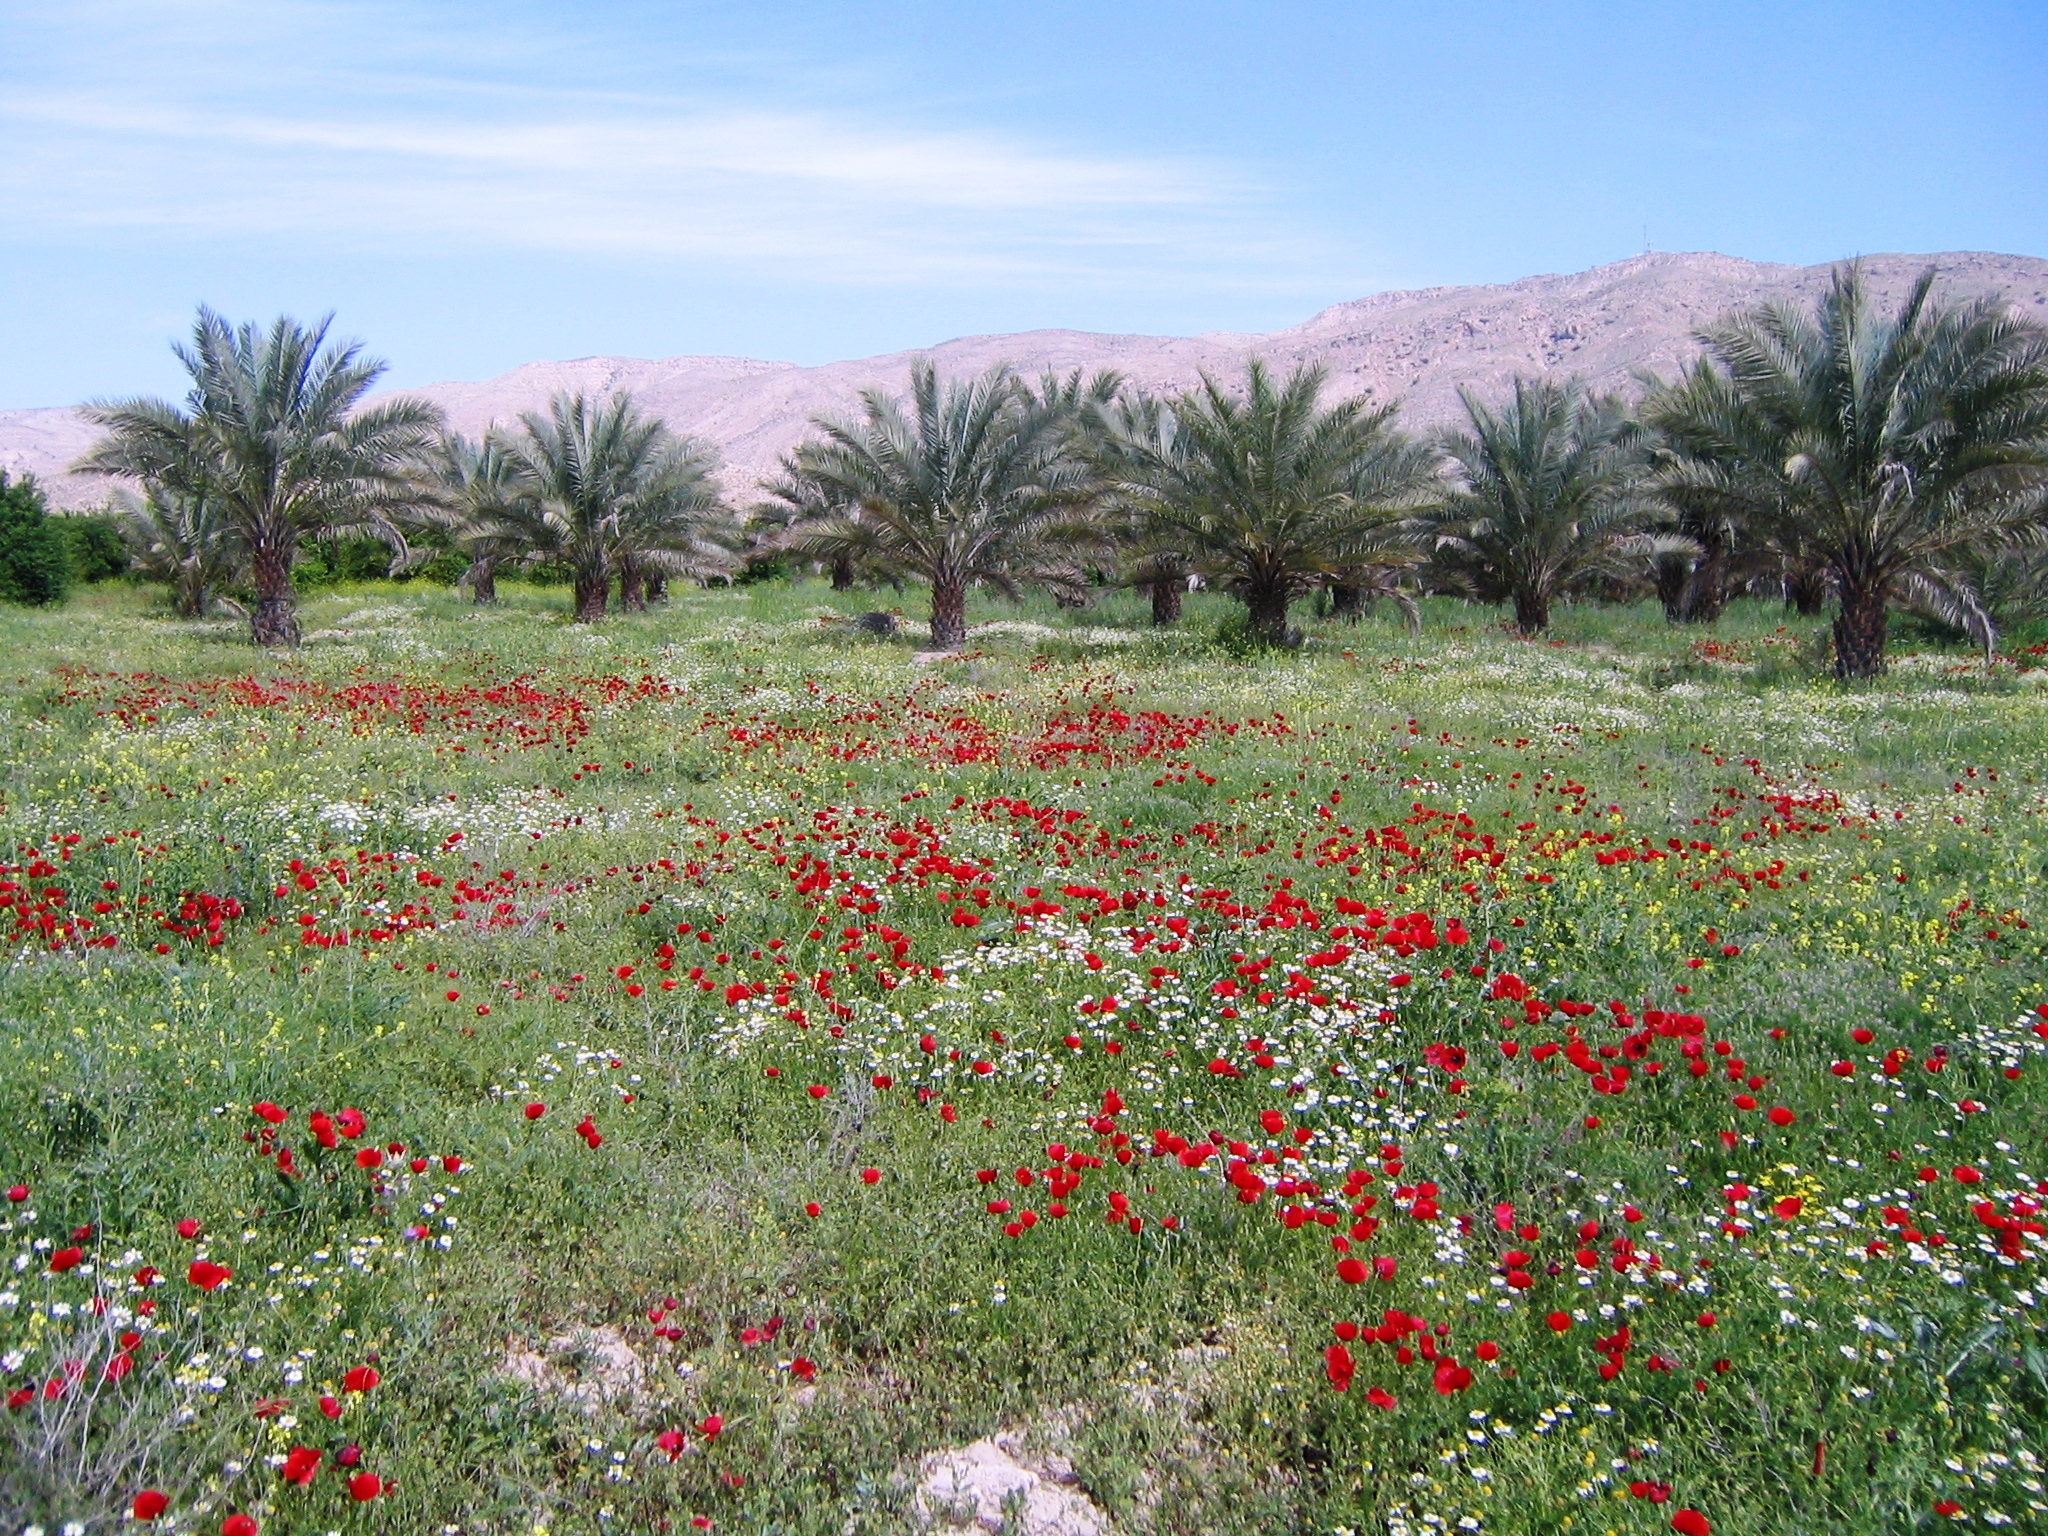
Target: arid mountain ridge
(1418,347)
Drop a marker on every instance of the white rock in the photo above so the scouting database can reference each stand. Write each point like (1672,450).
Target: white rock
(979,1486)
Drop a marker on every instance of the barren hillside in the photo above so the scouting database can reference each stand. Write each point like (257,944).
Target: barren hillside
(1417,347)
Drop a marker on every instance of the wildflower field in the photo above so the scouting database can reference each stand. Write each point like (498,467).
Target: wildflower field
(479,1074)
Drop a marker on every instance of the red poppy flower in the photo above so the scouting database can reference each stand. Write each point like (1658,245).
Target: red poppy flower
(535,1110)
(1351,1271)
(1380,1398)
(365,1486)
(300,1466)
(208,1275)
(1338,1365)
(1559,1321)
(238,1525)
(1781,1117)
(871,1175)
(1690,1522)
(188,1229)
(360,1378)
(149,1504)
(1788,1207)
(65,1258)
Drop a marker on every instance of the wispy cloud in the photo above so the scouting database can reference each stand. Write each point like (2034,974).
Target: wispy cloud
(376,146)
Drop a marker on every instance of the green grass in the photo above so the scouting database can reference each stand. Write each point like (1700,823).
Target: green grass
(1874,855)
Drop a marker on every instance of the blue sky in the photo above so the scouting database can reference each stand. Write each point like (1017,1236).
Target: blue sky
(473,186)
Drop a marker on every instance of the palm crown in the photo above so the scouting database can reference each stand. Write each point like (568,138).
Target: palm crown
(607,492)
(978,481)
(1540,496)
(274,435)
(1268,492)
(1893,445)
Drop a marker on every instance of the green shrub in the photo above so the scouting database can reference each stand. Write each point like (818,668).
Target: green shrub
(35,557)
(1236,637)
(327,563)
(98,552)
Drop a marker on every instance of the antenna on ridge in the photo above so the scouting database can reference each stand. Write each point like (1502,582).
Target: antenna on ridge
(1646,239)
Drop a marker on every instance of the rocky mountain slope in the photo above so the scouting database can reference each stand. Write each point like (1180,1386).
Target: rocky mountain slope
(1417,347)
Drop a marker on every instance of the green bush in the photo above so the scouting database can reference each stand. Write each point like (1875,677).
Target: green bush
(327,563)
(98,552)
(1236,637)
(35,557)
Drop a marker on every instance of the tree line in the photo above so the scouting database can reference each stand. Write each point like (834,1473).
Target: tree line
(1838,454)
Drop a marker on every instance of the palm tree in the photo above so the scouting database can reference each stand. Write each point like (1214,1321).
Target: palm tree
(978,483)
(183,541)
(1888,445)
(1352,592)
(1268,493)
(792,500)
(1542,497)
(1134,429)
(476,495)
(1393,475)
(610,493)
(1707,508)
(274,435)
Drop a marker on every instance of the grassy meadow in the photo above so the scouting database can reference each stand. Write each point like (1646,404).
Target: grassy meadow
(481,1074)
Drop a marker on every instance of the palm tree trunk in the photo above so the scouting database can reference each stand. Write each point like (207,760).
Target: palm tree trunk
(592,593)
(1347,601)
(632,587)
(1166,594)
(1266,611)
(1860,630)
(483,580)
(842,572)
(1532,611)
(949,611)
(1706,594)
(274,620)
(188,595)
(1672,574)
(657,585)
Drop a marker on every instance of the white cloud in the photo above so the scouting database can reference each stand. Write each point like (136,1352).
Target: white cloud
(372,149)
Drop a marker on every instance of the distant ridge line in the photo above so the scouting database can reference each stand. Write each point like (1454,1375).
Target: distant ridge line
(1415,345)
